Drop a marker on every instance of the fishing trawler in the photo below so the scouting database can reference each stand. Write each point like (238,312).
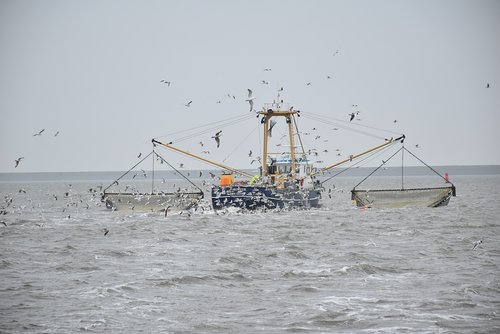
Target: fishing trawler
(285,180)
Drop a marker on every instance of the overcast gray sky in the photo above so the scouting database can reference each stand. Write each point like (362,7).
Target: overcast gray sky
(91,70)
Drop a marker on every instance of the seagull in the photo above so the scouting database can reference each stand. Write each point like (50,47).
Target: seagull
(417,145)
(328,77)
(487,85)
(106,231)
(166,82)
(265,82)
(188,104)
(39,133)
(258,160)
(308,84)
(139,156)
(352,116)
(476,244)
(267,69)
(201,143)
(395,121)
(166,210)
(18,160)
(181,165)
(56,134)
(217,138)
(273,123)
(250,99)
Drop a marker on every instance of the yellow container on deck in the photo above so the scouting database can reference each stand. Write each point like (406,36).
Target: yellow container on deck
(226,180)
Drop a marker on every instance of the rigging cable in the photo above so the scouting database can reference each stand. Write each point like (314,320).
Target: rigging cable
(376,169)
(118,179)
(187,179)
(220,124)
(335,122)
(241,143)
(372,155)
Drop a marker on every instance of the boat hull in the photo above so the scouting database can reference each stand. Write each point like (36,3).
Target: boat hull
(258,197)
(400,198)
(152,202)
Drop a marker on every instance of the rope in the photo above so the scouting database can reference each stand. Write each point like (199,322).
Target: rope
(432,169)
(359,162)
(165,161)
(328,120)
(220,124)
(376,169)
(241,143)
(137,164)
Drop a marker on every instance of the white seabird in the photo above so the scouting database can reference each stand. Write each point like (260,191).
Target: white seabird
(250,99)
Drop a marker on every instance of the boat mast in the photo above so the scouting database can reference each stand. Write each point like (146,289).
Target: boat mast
(275,111)
(266,140)
(292,146)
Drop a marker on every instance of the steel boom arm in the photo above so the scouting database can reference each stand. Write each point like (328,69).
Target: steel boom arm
(173,148)
(388,142)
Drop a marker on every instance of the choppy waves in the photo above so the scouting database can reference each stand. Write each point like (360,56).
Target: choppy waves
(335,269)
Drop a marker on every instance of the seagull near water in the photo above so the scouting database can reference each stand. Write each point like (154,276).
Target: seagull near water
(250,98)
(18,160)
(476,244)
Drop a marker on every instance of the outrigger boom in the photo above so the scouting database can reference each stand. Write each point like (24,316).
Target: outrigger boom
(173,148)
(388,142)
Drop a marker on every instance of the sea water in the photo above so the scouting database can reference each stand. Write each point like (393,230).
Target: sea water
(336,269)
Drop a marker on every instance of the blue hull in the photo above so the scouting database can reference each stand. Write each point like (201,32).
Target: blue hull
(251,198)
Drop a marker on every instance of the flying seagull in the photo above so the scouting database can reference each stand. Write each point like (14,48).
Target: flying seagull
(56,134)
(250,99)
(217,138)
(39,133)
(353,114)
(18,160)
(166,82)
(487,85)
(106,231)
(188,104)
(271,125)
(476,244)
